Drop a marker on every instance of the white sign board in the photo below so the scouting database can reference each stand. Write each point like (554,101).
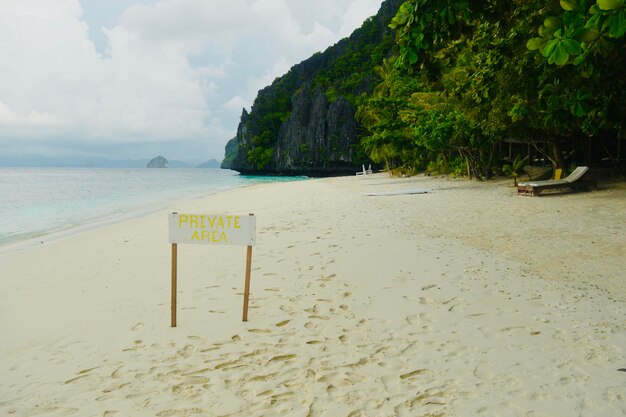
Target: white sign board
(212,229)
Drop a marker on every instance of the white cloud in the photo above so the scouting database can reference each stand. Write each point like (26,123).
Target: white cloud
(174,72)
(33,120)
(236,103)
(220,71)
(257,82)
(355,14)
(142,91)
(276,20)
(190,22)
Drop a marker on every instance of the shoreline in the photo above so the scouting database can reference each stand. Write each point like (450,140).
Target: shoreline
(43,237)
(446,303)
(30,242)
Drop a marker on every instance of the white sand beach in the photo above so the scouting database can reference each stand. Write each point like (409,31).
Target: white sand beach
(467,300)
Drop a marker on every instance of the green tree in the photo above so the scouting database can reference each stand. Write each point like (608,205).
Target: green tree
(389,139)
(476,75)
(581,57)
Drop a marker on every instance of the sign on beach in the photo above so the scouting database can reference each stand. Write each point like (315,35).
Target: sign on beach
(211,229)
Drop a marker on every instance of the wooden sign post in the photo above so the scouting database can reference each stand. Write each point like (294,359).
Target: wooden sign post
(174,279)
(210,230)
(246,290)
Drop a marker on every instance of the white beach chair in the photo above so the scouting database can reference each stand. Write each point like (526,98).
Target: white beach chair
(367,171)
(573,181)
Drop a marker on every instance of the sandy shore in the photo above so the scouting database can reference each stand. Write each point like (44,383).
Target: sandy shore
(465,301)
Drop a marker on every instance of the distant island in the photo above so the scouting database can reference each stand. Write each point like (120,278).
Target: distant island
(158,162)
(90,162)
(212,163)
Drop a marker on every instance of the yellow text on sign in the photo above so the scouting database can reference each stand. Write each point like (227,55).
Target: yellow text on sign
(212,228)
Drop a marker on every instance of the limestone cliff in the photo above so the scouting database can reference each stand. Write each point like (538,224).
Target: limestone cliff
(317,137)
(303,124)
(230,152)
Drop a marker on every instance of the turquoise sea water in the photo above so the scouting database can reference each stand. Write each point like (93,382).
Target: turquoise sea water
(39,201)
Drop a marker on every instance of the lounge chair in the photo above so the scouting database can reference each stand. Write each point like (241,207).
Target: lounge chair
(557,174)
(365,171)
(573,181)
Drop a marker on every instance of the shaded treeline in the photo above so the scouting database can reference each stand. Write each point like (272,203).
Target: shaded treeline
(468,77)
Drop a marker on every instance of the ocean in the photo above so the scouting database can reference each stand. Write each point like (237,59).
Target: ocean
(39,201)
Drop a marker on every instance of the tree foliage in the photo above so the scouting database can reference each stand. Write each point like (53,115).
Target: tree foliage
(449,80)
(467,75)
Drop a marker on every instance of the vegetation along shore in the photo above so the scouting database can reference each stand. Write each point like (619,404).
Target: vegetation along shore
(466,88)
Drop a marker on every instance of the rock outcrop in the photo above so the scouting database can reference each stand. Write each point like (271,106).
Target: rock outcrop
(317,137)
(211,163)
(304,123)
(230,152)
(158,162)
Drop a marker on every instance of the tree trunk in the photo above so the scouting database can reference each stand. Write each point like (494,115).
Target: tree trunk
(557,155)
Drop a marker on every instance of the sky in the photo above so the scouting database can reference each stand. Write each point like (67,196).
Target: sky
(132,79)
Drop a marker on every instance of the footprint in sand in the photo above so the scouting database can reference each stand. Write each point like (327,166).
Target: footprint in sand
(170,413)
(186,351)
(328,377)
(117,372)
(260,331)
(104,398)
(424,300)
(69,381)
(353,378)
(414,373)
(286,309)
(197,339)
(138,345)
(413,319)
(86,371)
(263,378)
(229,365)
(318,317)
(282,358)
(265,393)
